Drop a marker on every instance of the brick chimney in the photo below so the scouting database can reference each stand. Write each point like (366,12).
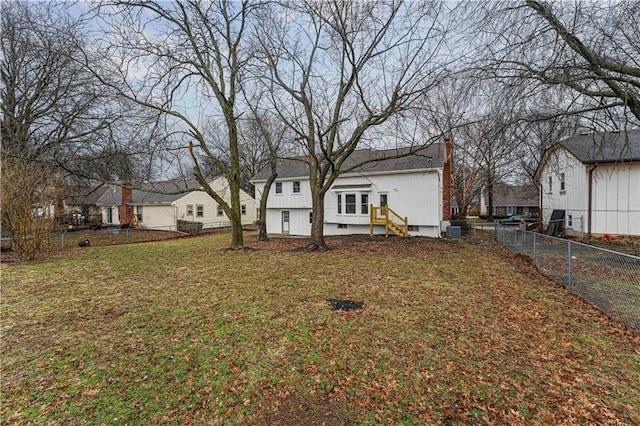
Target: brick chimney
(126,210)
(446,178)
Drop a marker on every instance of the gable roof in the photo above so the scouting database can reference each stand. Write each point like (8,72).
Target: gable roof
(84,195)
(604,147)
(430,157)
(164,192)
(514,195)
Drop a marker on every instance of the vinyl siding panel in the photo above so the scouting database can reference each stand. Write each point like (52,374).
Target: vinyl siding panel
(616,199)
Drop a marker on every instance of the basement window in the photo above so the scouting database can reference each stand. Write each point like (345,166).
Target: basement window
(342,226)
(414,228)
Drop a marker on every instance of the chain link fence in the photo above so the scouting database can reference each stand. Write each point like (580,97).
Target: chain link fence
(605,278)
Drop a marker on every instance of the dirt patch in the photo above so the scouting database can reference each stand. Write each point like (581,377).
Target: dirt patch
(309,410)
(361,244)
(344,305)
(621,243)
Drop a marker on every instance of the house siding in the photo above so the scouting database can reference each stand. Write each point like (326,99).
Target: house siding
(615,205)
(160,217)
(574,198)
(416,195)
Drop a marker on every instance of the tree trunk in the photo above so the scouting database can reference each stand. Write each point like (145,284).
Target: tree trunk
(490,200)
(237,241)
(317,223)
(262,220)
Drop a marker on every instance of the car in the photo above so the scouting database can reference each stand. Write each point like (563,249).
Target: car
(518,220)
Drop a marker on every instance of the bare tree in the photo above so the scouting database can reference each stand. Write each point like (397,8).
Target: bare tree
(588,51)
(48,99)
(341,71)
(185,61)
(51,107)
(29,191)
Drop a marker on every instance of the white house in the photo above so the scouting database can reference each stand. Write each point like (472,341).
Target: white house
(365,199)
(163,204)
(593,180)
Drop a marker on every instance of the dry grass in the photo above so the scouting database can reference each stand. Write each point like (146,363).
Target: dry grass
(185,331)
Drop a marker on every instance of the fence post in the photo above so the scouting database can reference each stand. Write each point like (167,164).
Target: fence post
(535,243)
(515,234)
(64,231)
(569,278)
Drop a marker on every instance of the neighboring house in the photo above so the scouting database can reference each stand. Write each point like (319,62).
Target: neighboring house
(80,204)
(511,199)
(163,204)
(364,200)
(593,181)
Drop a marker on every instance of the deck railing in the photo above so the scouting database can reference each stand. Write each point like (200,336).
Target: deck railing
(384,215)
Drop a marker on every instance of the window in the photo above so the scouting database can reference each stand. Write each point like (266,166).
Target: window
(219,211)
(199,210)
(454,211)
(570,221)
(364,204)
(383,200)
(189,209)
(296,187)
(109,211)
(243,209)
(414,228)
(550,185)
(339,203)
(310,217)
(139,213)
(342,226)
(350,203)
(509,210)
(561,182)
(278,187)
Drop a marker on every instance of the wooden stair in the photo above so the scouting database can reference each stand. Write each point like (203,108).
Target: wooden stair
(390,219)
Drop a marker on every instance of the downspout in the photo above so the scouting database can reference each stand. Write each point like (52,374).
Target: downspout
(590,199)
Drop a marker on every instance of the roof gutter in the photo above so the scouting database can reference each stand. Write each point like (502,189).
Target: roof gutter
(590,198)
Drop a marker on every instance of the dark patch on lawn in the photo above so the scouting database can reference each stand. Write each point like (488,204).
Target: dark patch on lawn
(344,305)
(299,410)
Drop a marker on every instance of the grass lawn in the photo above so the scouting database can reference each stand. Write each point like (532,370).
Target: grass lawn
(185,331)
